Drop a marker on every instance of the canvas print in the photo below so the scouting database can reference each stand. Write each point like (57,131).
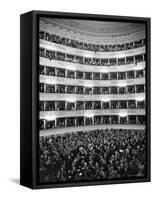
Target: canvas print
(92,100)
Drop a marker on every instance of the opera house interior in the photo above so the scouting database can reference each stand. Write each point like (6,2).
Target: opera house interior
(92,91)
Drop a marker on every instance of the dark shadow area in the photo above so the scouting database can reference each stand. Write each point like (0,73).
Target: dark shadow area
(15,180)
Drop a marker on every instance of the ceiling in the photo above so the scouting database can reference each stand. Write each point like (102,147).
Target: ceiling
(97,29)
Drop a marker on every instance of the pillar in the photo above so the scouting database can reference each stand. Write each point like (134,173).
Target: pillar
(44,105)
(44,121)
(55,71)
(134,73)
(44,87)
(55,105)
(118,119)
(84,120)
(45,70)
(55,123)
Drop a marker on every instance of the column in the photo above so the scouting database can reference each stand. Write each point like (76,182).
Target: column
(92,90)
(109,76)
(126,89)
(65,105)
(75,89)
(75,122)
(143,57)
(127,119)
(84,88)
(118,104)
(126,104)
(55,123)
(65,122)
(55,105)
(84,75)
(44,105)
(135,88)
(116,61)
(55,71)
(44,87)
(136,119)
(84,119)
(117,90)
(118,119)
(136,103)
(108,63)
(56,55)
(110,119)
(75,74)
(101,104)
(101,119)
(135,73)
(125,61)
(55,88)
(84,105)
(75,105)
(143,72)
(92,75)
(92,105)
(134,60)
(126,75)
(144,88)
(44,123)
(66,73)
(93,120)
(45,70)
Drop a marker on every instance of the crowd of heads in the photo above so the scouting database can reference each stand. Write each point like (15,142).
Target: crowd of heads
(93,155)
(90,47)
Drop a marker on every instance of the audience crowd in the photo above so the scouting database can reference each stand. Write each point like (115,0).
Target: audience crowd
(90,47)
(93,155)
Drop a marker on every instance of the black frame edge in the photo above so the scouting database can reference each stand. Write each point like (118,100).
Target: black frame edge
(26,99)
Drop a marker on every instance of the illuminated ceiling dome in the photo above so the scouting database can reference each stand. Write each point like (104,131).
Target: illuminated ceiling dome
(103,32)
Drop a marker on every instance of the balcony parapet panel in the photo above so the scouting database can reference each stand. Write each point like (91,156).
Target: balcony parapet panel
(89,97)
(90,68)
(81,113)
(91,83)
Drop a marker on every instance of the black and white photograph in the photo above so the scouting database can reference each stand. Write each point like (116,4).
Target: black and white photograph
(92,100)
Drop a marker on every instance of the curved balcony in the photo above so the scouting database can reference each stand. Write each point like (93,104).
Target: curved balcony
(90,113)
(89,68)
(90,83)
(89,97)
(89,54)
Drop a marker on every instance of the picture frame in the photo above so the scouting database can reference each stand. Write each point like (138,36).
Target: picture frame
(30,80)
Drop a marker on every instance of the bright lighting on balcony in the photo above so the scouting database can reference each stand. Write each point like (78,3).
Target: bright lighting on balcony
(89,114)
(122,113)
(71,100)
(122,84)
(142,98)
(50,117)
(106,100)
